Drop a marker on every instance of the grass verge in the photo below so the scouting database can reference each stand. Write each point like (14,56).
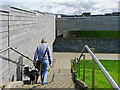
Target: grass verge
(100,81)
(98,34)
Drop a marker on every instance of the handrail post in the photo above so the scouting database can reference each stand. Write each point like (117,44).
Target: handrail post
(84,68)
(71,65)
(93,67)
(79,69)
(75,64)
(21,68)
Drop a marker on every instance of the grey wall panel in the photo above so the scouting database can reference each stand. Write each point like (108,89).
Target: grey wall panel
(4,35)
(3,17)
(4,73)
(4,42)
(5,67)
(3,29)
(14,66)
(105,23)
(21,13)
(1,72)
(17,27)
(3,45)
(20,18)
(4,23)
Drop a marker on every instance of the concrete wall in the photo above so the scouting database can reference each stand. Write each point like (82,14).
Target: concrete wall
(3,43)
(74,44)
(105,45)
(98,23)
(26,29)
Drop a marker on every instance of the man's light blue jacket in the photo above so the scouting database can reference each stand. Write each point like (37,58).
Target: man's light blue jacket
(40,53)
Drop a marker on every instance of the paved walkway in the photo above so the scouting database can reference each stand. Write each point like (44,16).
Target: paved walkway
(63,59)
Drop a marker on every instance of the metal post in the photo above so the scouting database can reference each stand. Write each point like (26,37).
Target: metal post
(75,64)
(71,62)
(8,46)
(79,69)
(72,66)
(84,68)
(93,67)
(53,77)
(21,68)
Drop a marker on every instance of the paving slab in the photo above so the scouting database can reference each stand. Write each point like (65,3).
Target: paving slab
(63,58)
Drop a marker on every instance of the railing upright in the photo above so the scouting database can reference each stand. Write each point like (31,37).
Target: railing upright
(79,69)
(84,68)
(93,67)
(21,68)
(74,64)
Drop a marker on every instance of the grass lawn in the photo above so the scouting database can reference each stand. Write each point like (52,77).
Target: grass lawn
(98,34)
(100,81)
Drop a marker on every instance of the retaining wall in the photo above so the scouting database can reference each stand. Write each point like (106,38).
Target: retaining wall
(105,45)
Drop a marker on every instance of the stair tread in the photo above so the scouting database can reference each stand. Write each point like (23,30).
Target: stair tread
(62,79)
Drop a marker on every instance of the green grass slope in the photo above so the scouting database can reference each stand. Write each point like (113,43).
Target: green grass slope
(100,81)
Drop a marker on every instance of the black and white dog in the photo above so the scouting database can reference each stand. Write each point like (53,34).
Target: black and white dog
(32,74)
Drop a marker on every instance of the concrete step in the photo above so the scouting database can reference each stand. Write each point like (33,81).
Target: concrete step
(62,79)
(60,71)
(56,84)
(13,85)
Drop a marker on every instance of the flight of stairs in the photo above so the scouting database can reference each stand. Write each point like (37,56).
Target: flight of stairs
(57,78)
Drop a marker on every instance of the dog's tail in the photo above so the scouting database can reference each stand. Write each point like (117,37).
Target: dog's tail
(26,71)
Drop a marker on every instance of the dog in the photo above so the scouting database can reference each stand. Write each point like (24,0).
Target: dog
(33,74)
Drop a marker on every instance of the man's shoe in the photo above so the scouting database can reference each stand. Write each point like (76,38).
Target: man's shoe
(43,83)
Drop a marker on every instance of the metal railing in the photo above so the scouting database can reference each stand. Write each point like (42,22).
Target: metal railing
(1,51)
(22,55)
(104,71)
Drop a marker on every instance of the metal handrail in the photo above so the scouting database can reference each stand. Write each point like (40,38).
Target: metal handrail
(104,71)
(3,50)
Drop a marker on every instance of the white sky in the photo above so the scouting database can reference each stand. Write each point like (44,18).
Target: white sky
(66,6)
